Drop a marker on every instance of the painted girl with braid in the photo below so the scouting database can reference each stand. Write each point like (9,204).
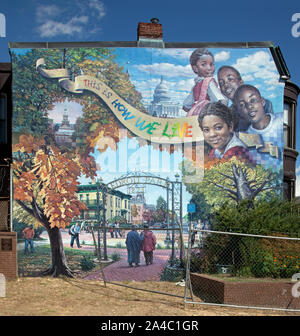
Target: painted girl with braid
(206,88)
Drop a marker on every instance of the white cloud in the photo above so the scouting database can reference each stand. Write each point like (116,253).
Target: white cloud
(174,52)
(74,111)
(222,56)
(167,69)
(259,65)
(177,90)
(273,81)
(254,63)
(98,6)
(46,12)
(266,74)
(52,28)
(248,78)
(70,19)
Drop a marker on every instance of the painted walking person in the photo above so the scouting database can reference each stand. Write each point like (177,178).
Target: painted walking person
(134,245)
(75,231)
(148,244)
(28,235)
(117,230)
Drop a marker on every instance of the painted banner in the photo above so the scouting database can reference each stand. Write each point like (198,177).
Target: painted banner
(208,118)
(141,124)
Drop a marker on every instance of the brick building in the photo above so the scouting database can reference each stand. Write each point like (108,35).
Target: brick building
(8,238)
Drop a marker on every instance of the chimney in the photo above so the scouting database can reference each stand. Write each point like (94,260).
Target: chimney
(150,34)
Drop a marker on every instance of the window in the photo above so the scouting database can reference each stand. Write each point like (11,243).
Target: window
(288,124)
(288,189)
(3,118)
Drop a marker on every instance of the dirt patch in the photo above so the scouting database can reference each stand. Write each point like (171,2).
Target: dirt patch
(77,297)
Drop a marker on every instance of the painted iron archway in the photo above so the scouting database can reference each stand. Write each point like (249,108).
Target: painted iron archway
(173,189)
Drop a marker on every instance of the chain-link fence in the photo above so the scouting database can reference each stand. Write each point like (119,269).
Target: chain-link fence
(243,270)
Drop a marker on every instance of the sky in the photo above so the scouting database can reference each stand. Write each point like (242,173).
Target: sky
(188,21)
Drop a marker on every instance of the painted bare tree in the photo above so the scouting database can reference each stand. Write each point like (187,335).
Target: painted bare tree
(235,181)
(242,188)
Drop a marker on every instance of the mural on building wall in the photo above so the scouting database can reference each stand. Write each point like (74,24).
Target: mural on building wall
(213,116)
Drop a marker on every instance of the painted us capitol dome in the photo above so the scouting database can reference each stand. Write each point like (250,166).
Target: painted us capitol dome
(162,104)
(161,93)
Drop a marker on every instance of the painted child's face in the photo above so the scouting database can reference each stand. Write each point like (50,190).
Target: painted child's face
(216,132)
(251,105)
(229,82)
(205,66)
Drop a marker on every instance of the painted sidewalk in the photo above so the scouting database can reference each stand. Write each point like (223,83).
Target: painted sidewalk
(120,270)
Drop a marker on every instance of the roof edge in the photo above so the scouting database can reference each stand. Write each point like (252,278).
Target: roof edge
(32,45)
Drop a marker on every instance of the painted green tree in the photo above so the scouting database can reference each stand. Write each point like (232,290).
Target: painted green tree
(234,181)
(160,213)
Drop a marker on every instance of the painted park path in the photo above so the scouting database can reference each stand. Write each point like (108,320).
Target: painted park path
(120,270)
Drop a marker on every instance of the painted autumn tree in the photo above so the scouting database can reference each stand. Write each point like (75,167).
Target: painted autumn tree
(45,174)
(134,211)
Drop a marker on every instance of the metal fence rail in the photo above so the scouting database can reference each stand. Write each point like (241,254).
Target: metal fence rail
(243,270)
(168,263)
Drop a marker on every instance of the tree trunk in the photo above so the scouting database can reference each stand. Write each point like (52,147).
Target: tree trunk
(59,264)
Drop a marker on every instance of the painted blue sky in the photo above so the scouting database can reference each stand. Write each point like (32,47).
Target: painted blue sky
(188,21)
(256,67)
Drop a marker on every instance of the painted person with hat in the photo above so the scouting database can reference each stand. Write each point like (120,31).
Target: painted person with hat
(134,245)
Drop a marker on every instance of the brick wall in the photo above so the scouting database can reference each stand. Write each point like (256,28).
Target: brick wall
(149,30)
(269,294)
(8,254)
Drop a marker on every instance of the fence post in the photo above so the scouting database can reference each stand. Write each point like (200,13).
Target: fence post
(2,285)
(188,284)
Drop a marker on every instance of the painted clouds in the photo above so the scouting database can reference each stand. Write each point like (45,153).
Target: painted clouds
(255,65)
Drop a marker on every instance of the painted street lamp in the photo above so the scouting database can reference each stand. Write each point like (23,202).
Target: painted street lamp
(101,187)
(168,239)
